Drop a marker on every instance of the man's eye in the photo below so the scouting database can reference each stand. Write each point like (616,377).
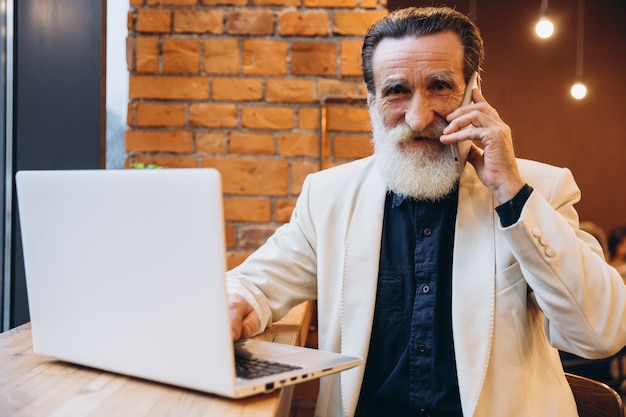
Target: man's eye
(395,89)
(440,87)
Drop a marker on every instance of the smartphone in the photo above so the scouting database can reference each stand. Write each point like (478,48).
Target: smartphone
(460,150)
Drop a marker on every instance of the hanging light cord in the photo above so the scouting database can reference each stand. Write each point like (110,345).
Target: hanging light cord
(544,8)
(580,39)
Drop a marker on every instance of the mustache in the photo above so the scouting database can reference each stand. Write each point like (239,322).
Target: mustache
(403,133)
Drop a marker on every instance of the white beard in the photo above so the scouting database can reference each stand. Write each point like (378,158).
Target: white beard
(425,172)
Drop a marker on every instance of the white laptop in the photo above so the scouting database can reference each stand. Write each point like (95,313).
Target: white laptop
(125,271)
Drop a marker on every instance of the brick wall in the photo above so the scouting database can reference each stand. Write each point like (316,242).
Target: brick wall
(241,86)
(266,91)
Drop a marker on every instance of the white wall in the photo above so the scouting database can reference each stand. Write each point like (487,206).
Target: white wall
(116,82)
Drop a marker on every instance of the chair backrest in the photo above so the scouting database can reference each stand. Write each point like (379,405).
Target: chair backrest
(594,398)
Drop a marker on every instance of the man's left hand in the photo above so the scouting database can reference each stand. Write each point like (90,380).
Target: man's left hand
(495,163)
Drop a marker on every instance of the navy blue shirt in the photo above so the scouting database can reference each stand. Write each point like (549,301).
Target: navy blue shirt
(411,369)
(410,364)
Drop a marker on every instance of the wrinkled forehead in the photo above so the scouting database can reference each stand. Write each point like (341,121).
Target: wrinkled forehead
(440,52)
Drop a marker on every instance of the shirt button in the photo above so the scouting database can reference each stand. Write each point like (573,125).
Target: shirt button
(421,348)
(425,289)
(428,232)
(550,252)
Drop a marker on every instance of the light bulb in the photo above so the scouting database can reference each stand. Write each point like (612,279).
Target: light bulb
(578,90)
(544,27)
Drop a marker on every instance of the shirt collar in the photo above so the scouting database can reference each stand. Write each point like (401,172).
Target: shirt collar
(398,199)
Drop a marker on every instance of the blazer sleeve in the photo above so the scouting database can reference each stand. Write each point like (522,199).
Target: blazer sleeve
(583,298)
(282,272)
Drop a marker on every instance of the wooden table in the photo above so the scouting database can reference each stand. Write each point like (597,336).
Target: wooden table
(36,386)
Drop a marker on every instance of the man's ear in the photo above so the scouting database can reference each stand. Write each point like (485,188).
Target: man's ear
(371,99)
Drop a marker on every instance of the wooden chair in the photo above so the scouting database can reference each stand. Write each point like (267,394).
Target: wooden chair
(595,399)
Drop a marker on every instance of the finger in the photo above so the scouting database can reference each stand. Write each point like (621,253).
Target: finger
(251,324)
(236,324)
(237,312)
(475,157)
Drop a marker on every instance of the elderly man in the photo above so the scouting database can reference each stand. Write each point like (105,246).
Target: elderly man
(457,289)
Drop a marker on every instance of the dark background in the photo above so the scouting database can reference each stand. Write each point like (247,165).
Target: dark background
(56,111)
(527,79)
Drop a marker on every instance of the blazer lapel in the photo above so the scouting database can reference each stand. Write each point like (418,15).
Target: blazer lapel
(473,273)
(360,277)
(473,286)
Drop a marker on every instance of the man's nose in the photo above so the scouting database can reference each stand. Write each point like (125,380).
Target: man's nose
(419,113)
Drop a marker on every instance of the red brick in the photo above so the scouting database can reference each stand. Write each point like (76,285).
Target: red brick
(168,87)
(155,115)
(299,144)
(166,161)
(211,142)
(147,54)
(250,22)
(221,56)
(199,21)
(224,2)
(371,4)
(346,119)
(131,17)
(309,118)
(283,210)
(273,118)
(333,87)
(290,90)
(330,3)
(130,114)
(292,22)
(131,53)
(153,20)
(261,56)
(352,146)
(355,23)
(314,58)
(213,115)
(252,143)
(351,58)
(181,55)
(251,176)
(284,3)
(252,237)
(172,2)
(240,209)
(229,235)
(299,171)
(234,259)
(161,141)
(237,89)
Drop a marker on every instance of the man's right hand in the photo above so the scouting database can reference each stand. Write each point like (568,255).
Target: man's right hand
(245,322)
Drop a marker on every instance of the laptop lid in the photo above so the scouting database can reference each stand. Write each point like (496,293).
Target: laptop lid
(125,271)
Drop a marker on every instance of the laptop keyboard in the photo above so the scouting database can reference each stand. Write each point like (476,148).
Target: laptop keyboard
(251,368)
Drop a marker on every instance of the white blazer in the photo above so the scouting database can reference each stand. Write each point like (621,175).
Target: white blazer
(518,292)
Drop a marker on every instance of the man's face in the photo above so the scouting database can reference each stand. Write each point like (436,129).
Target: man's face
(419,81)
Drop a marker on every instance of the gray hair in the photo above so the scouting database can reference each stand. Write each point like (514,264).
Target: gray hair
(422,21)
